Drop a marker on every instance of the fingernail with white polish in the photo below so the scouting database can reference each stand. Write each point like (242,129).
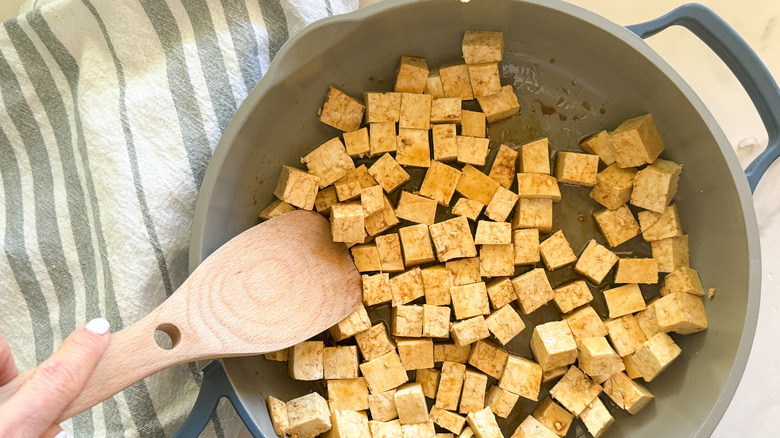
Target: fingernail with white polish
(98,326)
(64,434)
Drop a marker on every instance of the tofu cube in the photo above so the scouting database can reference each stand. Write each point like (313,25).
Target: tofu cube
(464,271)
(537,185)
(493,233)
(533,213)
(329,162)
(382,107)
(416,353)
(433,85)
(416,242)
(347,187)
(661,226)
(410,403)
(452,375)
(305,361)
(553,416)
(482,46)
(455,81)
(585,323)
(297,188)
(276,208)
(473,124)
(356,143)
(389,248)
(366,257)
(473,397)
(407,321)
(626,393)
(533,290)
(389,429)
(374,342)
(599,144)
(505,324)
(451,352)
(556,252)
(469,331)
(535,157)
(636,142)
(500,207)
(445,146)
(500,105)
(684,280)
(437,281)
(488,358)
(613,186)
(655,355)
(278,356)
(446,110)
(382,406)
(636,270)
(577,169)
(624,300)
(388,173)
(452,239)
(470,300)
(381,221)
(429,381)
(439,183)
(496,260)
(347,222)
(382,137)
(625,334)
(477,186)
(354,323)
(597,358)
(553,345)
(349,424)
(484,425)
(522,377)
(501,401)
(384,373)
(447,420)
(532,428)
(421,430)
(340,362)
(348,394)
(308,415)
(596,418)
(656,185)
(617,225)
(526,246)
(501,292)
(595,262)
(647,321)
(416,209)
(681,313)
(575,391)
(472,150)
(413,148)
(412,75)
(504,166)
(436,322)
(325,199)
(468,208)
(372,200)
(278,412)
(341,111)
(671,254)
(485,79)
(466,433)
(572,295)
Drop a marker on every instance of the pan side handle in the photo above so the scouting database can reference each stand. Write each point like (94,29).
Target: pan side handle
(761,87)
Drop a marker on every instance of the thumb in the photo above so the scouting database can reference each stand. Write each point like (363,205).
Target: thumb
(54,384)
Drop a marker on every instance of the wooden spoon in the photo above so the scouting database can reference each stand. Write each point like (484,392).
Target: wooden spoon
(270,287)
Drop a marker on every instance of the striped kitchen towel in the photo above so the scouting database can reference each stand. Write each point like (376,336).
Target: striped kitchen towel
(109,113)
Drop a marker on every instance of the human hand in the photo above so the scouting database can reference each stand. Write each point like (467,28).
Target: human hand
(32,410)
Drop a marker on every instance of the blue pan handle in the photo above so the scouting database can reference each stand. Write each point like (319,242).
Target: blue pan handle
(214,386)
(743,62)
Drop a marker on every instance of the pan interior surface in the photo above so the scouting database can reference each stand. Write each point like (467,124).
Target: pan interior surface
(573,78)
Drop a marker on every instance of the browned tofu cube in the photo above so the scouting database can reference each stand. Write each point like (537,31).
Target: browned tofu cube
(305,361)
(500,105)
(522,377)
(447,420)
(382,138)
(636,142)
(659,226)
(585,323)
(535,157)
(537,185)
(533,290)
(483,423)
(278,411)
(415,111)
(637,270)
(356,143)
(278,356)
(617,225)
(577,169)
(445,147)
(382,406)
(389,248)
(341,111)
(340,363)
(376,289)
(412,75)
(475,185)
(647,320)
(595,262)
(325,200)
(627,393)
(468,208)
(493,233)
(681,313)
(496,260)
(625,334)
(485,79)
(354,323)
(407,287)
(532,428)
(436,321)
(276,208)
(488,358)
(655,355)
(685,280)
(575,391)
(297,188)
(596,358)
(464,271)
(624,300)
(415,354)
(598,144)
(501,401)
(572,295)
(388,173)
(473,124)
(505,324)
(500,207)
(455,81)
(553,416)
(437,281)
(366,257)
(382,107)
(413,148)
(348,424)
(384,373)
(374,342)
(407,321)
(556,252)
(308,416)
(656,185)
(501,292)
(472,150)
(450,384)
(526,246)
(429,381)
(472,398)
(613,186)
(347,222)
(671,254)
(553,345)
(416,208)
(433,85)
(482,46)
(469,331)
(347,187)
(470,300)
(372,200)
(453,239)
(533,213)
(439,183)
(596,418)
(446,110)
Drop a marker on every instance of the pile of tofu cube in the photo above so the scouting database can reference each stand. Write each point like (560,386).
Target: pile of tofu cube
(454,295)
